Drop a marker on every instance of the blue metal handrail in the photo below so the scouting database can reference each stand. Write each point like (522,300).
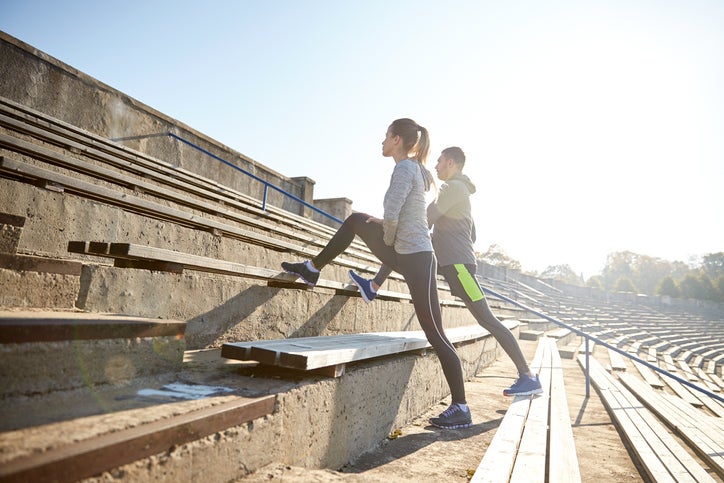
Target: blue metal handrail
(266,184)
(588,337)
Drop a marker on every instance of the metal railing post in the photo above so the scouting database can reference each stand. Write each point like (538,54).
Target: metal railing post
(588,369)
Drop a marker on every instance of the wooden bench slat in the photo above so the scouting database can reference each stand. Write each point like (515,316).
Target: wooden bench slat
(96,455)
(692,428)
(42,326)
(499,459)
(661,456)
(535,434)
(155,258)
(28,263)
(533,446)
(308,353)
(563,460)
(682,392)
(146,207)
(170,177)
(165,193)
(617,362)
(649,375)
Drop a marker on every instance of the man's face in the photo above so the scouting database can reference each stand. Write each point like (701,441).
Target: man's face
(445,168)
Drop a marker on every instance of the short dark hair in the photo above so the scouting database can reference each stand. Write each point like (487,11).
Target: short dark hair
(454,153)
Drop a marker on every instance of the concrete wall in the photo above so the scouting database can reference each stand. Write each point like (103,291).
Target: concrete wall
(36,80)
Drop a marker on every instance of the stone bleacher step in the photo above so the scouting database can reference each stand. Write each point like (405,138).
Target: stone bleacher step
(11,227)
(86,456)
(29,263)
(130,255)
(45,351)
(54,283)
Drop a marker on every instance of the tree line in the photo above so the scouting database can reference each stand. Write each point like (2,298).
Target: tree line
(701,279)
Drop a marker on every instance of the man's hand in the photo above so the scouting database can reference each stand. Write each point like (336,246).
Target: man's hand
(372,219)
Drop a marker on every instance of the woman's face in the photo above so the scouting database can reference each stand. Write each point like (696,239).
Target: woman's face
(388,144)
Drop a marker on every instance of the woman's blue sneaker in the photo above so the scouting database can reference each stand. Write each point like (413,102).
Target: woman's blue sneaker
(524,386)
(364,286)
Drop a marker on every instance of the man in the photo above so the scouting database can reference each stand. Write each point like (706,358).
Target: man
(452,238)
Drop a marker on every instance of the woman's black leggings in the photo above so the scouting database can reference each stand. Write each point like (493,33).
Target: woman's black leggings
(419,270)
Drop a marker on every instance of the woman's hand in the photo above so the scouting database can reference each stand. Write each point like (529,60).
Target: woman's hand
(372,219)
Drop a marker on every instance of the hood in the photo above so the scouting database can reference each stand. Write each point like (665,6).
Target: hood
(463,179)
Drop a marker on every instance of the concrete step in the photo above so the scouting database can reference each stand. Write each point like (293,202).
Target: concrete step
(46,351)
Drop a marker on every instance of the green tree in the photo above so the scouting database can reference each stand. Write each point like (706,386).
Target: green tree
(617,265)
(595,282)
(667,286)
(497,256)
(679,270)
(691,288)
(719,288)
(647,272)
(713,265)
(624,284)
(562,273)
(707,287)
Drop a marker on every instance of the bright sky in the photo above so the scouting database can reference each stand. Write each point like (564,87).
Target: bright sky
(589,127)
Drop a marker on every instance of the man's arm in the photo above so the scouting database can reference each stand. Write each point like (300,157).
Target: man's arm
(449,195)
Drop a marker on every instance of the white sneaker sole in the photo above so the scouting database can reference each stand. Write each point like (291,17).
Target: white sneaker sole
(526,393)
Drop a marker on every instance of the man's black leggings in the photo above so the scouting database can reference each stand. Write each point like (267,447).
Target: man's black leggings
(419,270)
(463,284)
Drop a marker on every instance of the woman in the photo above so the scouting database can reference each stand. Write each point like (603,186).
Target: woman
(401,240)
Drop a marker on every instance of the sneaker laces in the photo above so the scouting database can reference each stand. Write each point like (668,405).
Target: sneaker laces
(450,411)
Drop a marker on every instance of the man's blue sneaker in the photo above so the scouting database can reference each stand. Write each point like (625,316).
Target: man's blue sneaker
(302,271)
(524,386)
(364,286)
(453,417)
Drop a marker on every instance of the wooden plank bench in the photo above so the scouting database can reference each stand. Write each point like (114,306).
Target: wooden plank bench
(670,364)
(534,442)
(649,375)
(160,211)
(139,205)
(180,180)
(96,454)
(616,359)
(704,433)
(707,380)
(687,371)
(661,457)
(530,334)
(711,372)
(572,349)
(40,326)
(682,391)
(328,355)
(29,263)
(130,255)
(143,206)
(561,335)
(47,351)
(178,194)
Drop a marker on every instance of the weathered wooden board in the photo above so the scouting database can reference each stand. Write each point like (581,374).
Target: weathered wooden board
(308,353)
